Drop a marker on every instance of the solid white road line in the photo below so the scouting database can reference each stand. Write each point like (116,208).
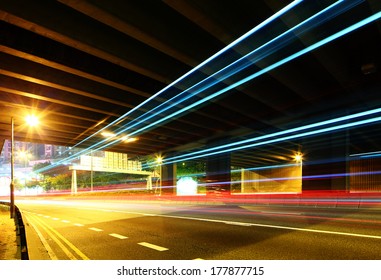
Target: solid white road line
(259,225)
(276,227)
(45,243)
(237,224)
(153,246)
(281,213)
(118,236)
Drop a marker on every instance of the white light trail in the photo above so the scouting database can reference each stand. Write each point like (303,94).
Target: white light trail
(228,47)
(240,64)
(249,78)
(277,140)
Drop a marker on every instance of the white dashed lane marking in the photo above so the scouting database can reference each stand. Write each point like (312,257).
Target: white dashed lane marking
(153,246)
(115,235)
(118,236)
(95,229)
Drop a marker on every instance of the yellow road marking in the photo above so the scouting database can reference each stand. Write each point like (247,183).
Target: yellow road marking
(53,233)
(58,242)
(49,249)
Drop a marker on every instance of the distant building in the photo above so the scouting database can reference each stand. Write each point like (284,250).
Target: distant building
(25,152)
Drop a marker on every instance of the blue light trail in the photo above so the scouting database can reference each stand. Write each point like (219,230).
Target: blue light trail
(285,132)
(277,140)
(263,71)
(228,47)
(249,59)
(255,75)
(245,80)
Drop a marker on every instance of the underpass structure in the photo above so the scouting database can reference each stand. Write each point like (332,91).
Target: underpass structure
(276,102)
(274,105)
(243,85)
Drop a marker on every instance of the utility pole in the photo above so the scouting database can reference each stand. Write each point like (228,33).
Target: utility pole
(12,185)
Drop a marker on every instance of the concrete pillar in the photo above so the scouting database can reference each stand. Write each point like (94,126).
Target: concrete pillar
(149,183)
(74,186)
(243,181)
(218,176)
(325,163)
(168,179)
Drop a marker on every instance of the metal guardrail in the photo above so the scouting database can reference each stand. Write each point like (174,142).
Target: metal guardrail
(20,232)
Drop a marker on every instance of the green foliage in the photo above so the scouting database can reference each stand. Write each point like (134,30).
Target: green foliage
(190,168)
(59,182)
(150,163)
(105,178)
(38,166)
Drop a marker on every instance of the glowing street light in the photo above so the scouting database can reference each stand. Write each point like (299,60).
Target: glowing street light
(108,134)
(159,159)
(129,140)
(24,156)
(298,157)
(32,120)
(125,139)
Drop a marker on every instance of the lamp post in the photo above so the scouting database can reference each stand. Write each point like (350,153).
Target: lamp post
(32,121)
(12,186)
(159,161)
(92,172)
(298,157)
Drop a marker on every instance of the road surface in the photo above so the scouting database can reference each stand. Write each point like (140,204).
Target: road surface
(112,230)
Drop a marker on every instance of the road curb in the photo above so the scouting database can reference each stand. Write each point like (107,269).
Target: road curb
(20,232)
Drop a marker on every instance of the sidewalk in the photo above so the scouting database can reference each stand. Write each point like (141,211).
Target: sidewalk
(9,250)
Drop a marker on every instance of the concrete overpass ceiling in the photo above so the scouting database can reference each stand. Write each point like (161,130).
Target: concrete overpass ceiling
(82,65)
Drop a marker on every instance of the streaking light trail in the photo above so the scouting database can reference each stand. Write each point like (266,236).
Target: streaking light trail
(257,74)
(251,58)
(367,155)
(277,140)
(263,71)
(230,147)
(309,177)
(285,132)
(230,46)
(174,83)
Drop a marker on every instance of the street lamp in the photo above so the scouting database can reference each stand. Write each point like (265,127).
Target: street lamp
(298,157)
(12,186)
(159,161)
(23,157)
(32,121)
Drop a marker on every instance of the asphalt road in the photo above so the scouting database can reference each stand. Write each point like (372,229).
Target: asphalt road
(110,230)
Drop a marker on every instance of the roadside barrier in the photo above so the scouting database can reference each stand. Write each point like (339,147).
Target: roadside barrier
(20,232)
